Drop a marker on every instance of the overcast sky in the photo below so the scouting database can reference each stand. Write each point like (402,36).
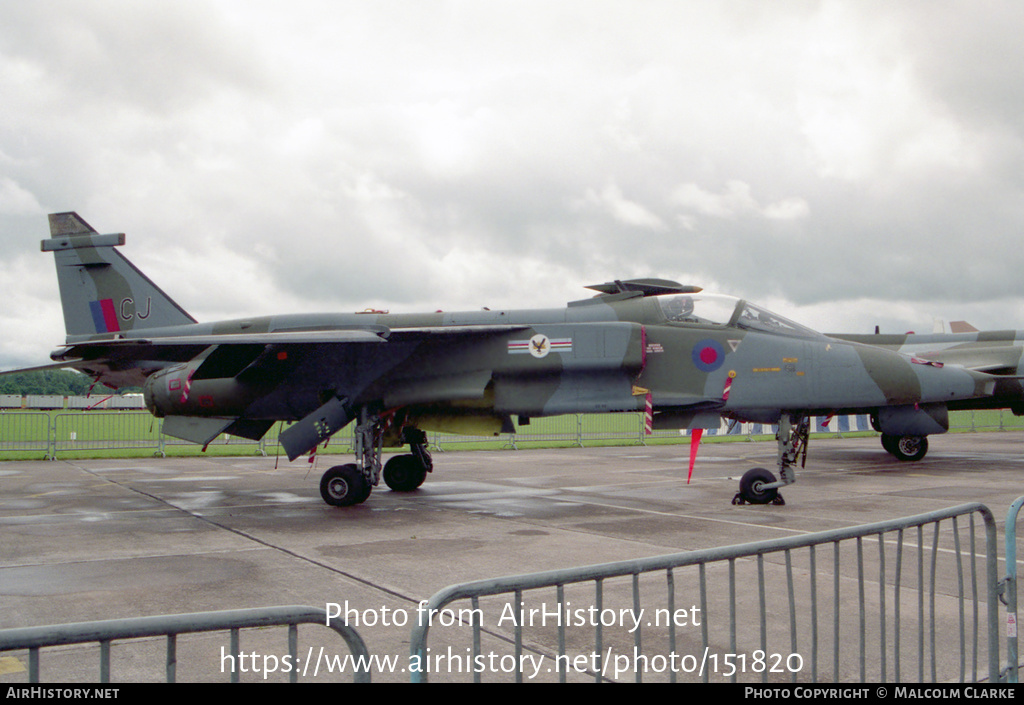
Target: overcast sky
(844,163)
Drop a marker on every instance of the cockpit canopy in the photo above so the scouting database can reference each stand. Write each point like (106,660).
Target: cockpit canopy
(719,310)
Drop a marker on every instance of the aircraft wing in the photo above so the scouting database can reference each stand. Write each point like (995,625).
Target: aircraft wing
(127,362)
(376,334)
(993,359)
(122,362)
(997,353)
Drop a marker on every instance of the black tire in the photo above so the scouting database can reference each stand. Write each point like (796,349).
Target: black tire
(907,448)
(889,443)
(404,473)
(343,486)
(750,486)
(874,422)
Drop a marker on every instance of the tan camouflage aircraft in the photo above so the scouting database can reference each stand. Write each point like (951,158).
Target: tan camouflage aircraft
(686,358)
(998,353)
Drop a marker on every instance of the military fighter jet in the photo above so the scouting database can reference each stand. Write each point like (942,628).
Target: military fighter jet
(998,353)
(684,357)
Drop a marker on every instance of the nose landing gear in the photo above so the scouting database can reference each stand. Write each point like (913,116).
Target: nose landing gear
(759,486)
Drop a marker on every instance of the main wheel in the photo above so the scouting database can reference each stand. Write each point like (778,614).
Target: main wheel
(344,485)
(906,448)
(751,486)
(404,473)
(889,442)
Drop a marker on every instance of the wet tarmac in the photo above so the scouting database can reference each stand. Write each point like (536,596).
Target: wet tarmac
(100,539)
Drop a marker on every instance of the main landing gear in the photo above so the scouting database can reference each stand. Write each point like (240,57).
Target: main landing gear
(345,485)
(405,473)
(906,448)
(759,486)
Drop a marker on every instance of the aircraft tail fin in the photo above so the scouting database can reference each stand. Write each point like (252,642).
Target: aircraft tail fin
(961,327)
(101,292)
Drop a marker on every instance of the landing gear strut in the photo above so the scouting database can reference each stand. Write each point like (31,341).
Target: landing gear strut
(759,486)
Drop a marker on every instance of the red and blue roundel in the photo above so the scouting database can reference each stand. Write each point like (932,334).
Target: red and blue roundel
(708,355)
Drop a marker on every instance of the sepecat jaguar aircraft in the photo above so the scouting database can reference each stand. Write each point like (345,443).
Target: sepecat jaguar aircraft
(685,358)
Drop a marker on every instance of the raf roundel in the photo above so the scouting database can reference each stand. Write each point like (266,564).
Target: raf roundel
(708,355)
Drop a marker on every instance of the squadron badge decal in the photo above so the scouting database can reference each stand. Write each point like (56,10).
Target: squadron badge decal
(540,345)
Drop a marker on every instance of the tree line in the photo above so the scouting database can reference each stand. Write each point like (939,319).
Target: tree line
(59,382)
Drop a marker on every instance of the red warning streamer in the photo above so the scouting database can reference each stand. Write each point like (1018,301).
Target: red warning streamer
(695,435)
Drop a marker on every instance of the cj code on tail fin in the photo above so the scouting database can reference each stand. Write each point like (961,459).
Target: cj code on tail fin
(101,292)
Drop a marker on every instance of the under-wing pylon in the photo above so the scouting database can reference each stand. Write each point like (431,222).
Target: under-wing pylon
(685,357)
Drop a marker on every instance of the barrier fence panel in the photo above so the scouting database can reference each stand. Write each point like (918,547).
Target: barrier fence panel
(913,599)
(105,430)
(562,430)
(275,659)
(1010,590)
(25,431)
(624,428)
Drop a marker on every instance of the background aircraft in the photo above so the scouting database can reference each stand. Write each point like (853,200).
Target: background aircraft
(685,357)
(998,353)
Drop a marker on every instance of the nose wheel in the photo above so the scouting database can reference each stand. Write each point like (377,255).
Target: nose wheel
(759,486)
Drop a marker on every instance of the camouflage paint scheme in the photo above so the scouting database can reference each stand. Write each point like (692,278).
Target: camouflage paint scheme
(998,353)
(686,357)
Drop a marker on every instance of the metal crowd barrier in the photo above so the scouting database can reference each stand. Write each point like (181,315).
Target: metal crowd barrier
(915,611)
(897,600)
(101,430)
(25,431)
(1010,591)
(171,626)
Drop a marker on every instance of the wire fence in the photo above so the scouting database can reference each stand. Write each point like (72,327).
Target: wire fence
(77,432)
